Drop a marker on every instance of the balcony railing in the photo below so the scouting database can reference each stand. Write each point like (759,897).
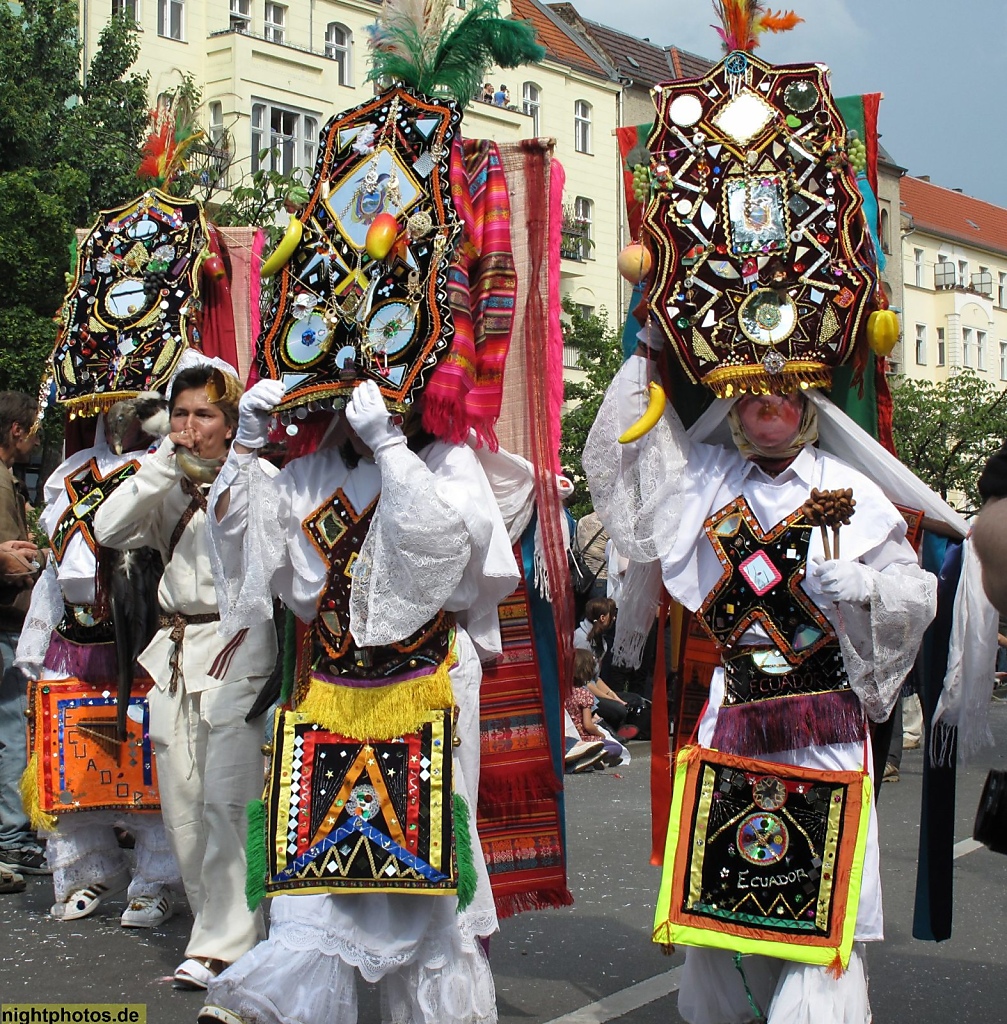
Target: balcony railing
(573,244)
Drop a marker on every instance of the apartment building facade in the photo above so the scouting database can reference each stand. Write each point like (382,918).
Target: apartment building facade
(271,74)
(954,261)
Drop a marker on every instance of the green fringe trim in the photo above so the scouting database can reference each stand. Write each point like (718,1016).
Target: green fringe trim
(463,853)
(289,657)
(255,854)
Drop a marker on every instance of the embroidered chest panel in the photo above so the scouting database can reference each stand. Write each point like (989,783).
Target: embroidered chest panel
(87,490)
(345,815)
(337,533)
(761,583)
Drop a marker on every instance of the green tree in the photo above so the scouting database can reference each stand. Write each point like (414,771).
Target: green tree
(945,432)
(65,149)
(599,355)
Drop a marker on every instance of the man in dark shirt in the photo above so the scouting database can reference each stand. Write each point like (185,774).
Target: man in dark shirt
(19,849)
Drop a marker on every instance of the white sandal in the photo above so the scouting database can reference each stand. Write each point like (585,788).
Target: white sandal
(192,974)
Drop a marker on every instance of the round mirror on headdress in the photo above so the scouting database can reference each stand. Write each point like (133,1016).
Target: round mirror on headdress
(764,266)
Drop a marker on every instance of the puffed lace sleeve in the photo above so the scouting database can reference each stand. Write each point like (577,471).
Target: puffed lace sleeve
(247,545)
(638,490)
(414,556)
(881,639)
(44,614)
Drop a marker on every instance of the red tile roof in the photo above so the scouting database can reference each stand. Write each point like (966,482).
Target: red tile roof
(953,215)
(557,38)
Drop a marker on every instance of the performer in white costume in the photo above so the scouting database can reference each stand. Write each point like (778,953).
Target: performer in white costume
(209,758)
(435,549)
(664,499)
(66,636)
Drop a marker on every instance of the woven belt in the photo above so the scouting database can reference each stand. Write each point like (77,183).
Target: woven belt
(176,622)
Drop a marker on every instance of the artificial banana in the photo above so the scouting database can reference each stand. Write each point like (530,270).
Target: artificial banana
(285,249)
(653,412)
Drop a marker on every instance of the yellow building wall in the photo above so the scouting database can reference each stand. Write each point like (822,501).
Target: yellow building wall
(956,311)
(238,69)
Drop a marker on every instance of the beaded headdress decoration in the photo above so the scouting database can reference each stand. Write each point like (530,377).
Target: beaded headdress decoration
(363,293)
(764,265)
(134,303)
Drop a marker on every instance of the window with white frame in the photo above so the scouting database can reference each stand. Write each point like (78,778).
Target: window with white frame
(241,15)
(918,265)
(338,39)
(290,136)
(1003,360)
(531,104)
(275,20)
(967,342)
(128,7)
(941,348)
(980,350)
(921,345)
(963,274)
(582,126)
(1002,289)
(886,231)
(171,19)
(216,122)
(583,210)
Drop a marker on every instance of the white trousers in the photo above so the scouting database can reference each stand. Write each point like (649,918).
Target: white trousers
(209,766)
(85,851)
(426,954)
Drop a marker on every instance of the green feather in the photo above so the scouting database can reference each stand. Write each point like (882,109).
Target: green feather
(255,853)
(467,49)
(463,853)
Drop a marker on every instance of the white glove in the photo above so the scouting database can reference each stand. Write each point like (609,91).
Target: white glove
(841,580)
(367,415)
(254,411)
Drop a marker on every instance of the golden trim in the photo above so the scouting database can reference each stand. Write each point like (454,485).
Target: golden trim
(699,835)
(796,375)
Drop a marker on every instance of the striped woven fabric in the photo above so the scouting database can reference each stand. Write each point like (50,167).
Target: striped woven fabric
(466,389)
(519,814)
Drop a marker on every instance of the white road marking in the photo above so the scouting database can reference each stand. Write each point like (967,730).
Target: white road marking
(618,1004)
(967,846)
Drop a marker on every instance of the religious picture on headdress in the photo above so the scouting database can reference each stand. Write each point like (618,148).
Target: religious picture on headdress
(363,296)
(757,214)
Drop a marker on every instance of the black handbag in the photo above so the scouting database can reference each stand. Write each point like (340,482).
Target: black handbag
(991,817)
(581,577)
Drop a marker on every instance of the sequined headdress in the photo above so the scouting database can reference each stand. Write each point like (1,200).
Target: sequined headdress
(134,303)
(363,294)
(764,266)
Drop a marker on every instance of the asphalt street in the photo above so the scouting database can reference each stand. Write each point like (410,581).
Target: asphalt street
(593,962)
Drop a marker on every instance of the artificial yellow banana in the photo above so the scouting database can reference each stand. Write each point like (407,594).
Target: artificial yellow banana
(653,412)
(284,250)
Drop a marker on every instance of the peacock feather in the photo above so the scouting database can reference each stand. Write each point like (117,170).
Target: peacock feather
(420,44)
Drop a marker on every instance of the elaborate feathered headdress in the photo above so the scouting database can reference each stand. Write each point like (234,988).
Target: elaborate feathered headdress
(745,20)
(418,44)
(173,134)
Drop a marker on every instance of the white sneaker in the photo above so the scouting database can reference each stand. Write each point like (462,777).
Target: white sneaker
(147,911)
(581,749)
(85,901)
